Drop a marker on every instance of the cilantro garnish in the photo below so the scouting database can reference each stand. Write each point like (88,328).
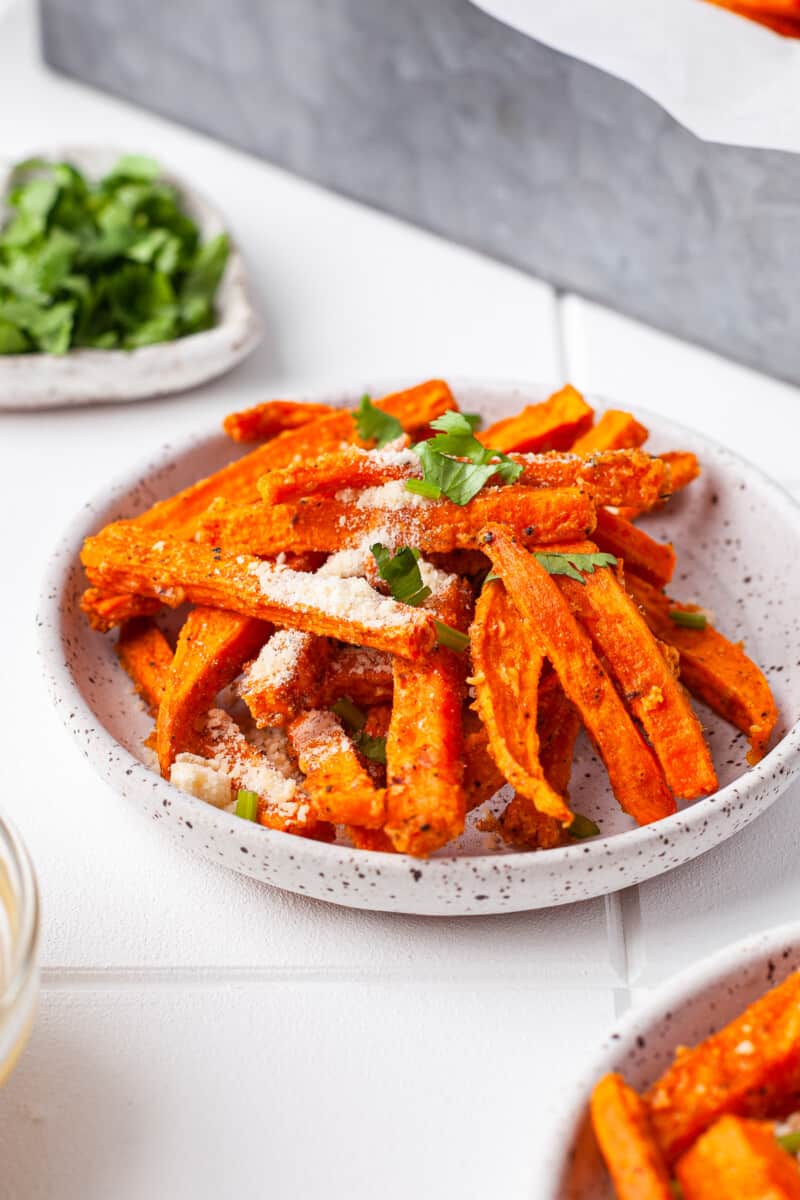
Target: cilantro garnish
(574,565)
(455,464)
(790,1142)
(116,263)
(689,620)
(373,748)
(374,425)
(583,827)
(401,571)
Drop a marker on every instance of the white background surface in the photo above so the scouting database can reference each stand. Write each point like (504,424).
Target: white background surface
(200,1036)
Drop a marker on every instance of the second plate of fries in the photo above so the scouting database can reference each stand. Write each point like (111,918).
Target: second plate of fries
(444,648)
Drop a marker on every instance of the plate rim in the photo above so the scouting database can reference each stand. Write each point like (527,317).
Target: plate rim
(667,996)
(67,694)
(238,324)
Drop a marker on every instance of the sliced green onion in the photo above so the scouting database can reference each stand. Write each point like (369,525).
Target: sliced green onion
(350,713)
(453,639)
(790,1142)
(583,827)
(247,804)
(689,620)
(421,487)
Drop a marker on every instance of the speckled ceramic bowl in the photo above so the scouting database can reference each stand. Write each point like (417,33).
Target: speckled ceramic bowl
(691,1006)
(739,536)
(95,376)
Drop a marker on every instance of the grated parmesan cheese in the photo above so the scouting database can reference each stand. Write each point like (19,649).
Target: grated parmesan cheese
(202,778)
(343,599)
(276,664)
(317,736)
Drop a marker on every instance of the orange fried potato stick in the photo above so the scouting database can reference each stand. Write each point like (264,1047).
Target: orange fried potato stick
(624,1134)
(621,635)
(340,788)
(125,559)
(212,648)
(434,526)
(714,669)
(740,1158)
(750,1068)
(552,425)
(635,775)
(506,671)
(146,655)
(424,766)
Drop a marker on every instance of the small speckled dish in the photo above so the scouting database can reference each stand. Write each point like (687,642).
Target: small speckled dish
(738,536)
(690,1007)
(31,381)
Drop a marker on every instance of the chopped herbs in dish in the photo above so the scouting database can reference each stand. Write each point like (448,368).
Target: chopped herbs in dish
(111,264)
(402,614)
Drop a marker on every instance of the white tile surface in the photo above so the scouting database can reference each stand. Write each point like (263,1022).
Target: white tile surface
(287,1091)
(203,1036)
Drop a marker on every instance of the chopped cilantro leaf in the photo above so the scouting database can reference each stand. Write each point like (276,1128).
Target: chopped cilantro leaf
(452,639)
(350,714)
(374,425)
(455,464)
(116,263)
(354,720)
(401,571)
(574,565)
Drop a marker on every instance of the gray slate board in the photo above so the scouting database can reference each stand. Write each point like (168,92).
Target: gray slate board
(433,111)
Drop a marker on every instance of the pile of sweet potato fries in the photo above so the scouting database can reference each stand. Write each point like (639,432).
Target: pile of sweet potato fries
(722,1121)
(412,613)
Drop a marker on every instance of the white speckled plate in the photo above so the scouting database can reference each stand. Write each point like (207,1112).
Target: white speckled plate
(99,376)
(739,536)
(690,1007)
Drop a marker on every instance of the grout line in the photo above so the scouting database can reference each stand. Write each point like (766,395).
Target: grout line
(615,933)
(562,353)
(62,979)
(631,911)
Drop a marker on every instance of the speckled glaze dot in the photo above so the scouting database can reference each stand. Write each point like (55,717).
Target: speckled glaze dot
(693,1005)
(738,536)
(101,376)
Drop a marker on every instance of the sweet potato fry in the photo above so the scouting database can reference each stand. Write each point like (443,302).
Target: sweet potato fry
(740,1158)
(212,648)
(282,803)
(625,1138)
(682,466)
(506,671)
(370,839)
(425,800)
(125,559)
(363,676)
(552,425)
(750,1068)
(270,418)
(635,776)
(146,655)
(433,526)
(615,430)
(621,636)
(558,727)
(338,785)
(289,669)
(618,477)
(104,611)
(236,482)
(641,554)
(482,776)
(714,669)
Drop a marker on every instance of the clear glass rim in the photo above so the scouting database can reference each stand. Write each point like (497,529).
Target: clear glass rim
(26,895)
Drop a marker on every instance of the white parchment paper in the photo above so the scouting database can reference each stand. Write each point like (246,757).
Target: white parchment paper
(725,78)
